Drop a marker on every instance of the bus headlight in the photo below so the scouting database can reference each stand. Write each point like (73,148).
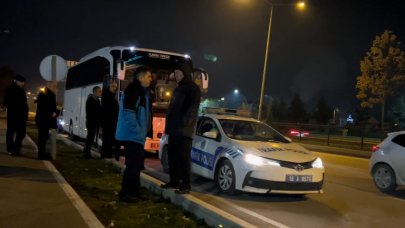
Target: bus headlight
(317,164)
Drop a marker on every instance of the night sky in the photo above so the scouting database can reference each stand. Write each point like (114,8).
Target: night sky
(313,52)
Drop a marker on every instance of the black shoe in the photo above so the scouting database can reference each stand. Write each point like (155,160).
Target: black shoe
(182,191)
(15,153)
(132,199)
(169,185)
(45,157)
(87,156)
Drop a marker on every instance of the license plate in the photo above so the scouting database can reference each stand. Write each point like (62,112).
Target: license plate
(298,178)
(154,145)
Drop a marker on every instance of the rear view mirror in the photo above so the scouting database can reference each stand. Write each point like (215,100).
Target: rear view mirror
(200,77)
(211,134)
(121,70)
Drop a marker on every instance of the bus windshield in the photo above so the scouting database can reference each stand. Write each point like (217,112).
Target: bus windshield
(162,65)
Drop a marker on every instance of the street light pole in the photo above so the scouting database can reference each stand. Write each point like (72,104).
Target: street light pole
(300,5)
(259,115)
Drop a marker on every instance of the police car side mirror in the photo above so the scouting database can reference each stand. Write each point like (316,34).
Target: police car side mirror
(211,134)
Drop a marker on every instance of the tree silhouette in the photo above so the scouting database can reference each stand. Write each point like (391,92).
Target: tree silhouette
(297,110)
(382,72)
(323,112)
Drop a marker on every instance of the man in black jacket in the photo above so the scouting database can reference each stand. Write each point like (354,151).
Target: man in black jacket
(45,118)
(181,121)
(93,110)
(15,100)
(109,118)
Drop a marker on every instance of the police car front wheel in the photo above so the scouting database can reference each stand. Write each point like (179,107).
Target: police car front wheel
(225,177)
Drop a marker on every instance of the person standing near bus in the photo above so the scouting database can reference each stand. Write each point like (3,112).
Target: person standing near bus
(109,118)
(45,118)
(181,121)
(134,125)
(15,100)
(93,110)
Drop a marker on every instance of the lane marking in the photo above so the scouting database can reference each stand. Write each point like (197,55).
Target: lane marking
(249,212)
(87,215)
(254,214)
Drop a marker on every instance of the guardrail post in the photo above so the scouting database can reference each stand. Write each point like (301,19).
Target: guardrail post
(362,137)
(327,132)
(299,130)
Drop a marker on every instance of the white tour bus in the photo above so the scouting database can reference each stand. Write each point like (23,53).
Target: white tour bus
(97,68)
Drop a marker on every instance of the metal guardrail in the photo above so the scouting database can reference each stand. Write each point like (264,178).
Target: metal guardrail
(352,137)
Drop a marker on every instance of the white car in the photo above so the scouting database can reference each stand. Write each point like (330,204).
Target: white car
(387,162)
(241,153)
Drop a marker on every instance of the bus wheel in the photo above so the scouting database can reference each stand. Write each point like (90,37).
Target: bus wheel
(165,159)
(71,135)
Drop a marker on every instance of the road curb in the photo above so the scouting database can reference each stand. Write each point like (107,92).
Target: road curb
(212,215)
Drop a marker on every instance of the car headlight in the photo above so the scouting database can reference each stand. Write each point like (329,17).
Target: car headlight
(259,161)
(317,164)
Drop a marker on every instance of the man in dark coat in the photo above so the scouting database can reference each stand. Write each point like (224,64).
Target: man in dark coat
(15,100)
(181,121)
(93,110)
(45,118)
(109,117)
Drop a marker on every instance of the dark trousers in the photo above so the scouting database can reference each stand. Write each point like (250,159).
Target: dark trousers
(109,147)
(180,160)
(134,162)
(43,135)
(17,127)
(91,135)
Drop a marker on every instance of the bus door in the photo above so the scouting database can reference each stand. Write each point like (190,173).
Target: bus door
(82,113)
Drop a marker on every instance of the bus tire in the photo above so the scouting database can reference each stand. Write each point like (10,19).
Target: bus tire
(71,135)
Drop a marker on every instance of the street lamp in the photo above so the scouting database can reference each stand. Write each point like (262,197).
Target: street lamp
(335,110)
(236,91)
(299,5)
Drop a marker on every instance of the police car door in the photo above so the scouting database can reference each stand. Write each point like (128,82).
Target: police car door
(203,153)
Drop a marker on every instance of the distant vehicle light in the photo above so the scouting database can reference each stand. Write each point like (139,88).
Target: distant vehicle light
(297,133)
(375,148)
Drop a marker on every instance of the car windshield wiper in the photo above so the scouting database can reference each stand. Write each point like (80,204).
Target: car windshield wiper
(268,139)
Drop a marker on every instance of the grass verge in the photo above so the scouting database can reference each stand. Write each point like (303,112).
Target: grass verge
(98,183)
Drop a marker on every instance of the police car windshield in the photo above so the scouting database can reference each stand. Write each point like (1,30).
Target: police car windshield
(250,131)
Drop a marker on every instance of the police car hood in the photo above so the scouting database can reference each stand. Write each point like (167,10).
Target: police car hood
(290,152)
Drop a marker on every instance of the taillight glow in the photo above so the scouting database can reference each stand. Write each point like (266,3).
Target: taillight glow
(375,148)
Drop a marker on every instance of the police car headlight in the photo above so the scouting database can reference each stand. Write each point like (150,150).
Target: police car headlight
(259,161)
(317,164)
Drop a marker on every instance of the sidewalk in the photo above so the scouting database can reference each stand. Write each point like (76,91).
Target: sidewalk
(34,194)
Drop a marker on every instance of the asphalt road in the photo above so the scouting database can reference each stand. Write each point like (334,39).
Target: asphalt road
(350,199)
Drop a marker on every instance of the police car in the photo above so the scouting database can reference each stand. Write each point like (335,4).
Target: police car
(243,154)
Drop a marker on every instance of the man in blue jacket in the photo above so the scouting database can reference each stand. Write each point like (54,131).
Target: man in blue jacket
(134,124)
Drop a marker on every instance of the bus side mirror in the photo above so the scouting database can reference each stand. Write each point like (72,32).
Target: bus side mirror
(121,70)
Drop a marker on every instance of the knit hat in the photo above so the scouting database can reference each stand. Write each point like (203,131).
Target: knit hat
(185,67)
(20,78)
